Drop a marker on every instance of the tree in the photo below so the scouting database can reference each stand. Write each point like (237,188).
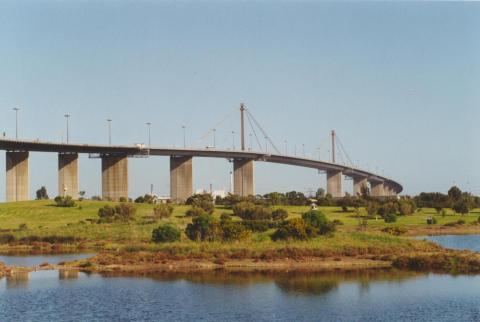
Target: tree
(462,206)
(42,193)
(319,222)
(296,229)
(372,208)
(204,228)
(454,194)
(320,193)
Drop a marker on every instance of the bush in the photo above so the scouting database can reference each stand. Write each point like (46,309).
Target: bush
(279,214)
(396,231)
(122,199)
(42,193)
(390,217)
(64,201)
(125,211)
(319,221)
(431,221)
(166,234)
(249,211)
(106,214)
(7,239)
(294,229)
(162,211)
(122,212)
(257,225)
(195,212)
(204,201)
(234,231)
(204,228)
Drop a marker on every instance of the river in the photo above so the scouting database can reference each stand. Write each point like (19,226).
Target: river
(244,296)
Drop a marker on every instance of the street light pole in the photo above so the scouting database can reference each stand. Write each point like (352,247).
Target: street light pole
(233,140)
(214,138)
(67,116)
(149,124)
(184,139)
(16,109)
(266,144)
(286,147)
(109,131)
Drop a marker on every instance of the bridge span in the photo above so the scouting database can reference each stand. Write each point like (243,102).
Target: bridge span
(115,169)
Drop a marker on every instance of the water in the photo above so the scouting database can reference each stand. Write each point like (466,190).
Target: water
(34,260)
(470,242)
(244,296)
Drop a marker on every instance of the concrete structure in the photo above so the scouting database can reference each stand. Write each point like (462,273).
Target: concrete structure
(334,183)
(114,177)
(17,176)
(181,182)
(376,189)
(68,174)
(243,177)
(358,184)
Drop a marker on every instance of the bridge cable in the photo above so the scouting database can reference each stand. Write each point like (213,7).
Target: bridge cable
(215,127)
(254,132)
(263,132)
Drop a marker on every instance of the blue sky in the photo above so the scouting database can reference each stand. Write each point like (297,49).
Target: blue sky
(397,81)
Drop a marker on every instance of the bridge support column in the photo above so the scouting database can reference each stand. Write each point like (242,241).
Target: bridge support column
(68,174)
(334,183)
(358,184)
(181,183)
(377,189)
(114,177)
(243,184)
(17,176)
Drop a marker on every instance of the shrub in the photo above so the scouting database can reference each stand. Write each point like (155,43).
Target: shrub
(165,234)
(106,214)
(344,209)
(257,225)
(204,201)
(42,193)
(279,214)
(64,201)
(204,228)
(249,211)
(125,211)
(405,207)
(294,229)
(337,222)
(162,210)
(122,199)
(234,231)
(319,221)
(390,217)
(431,221)
(7,239)
(195,212)
(396,231)
(122,212)
(22,226)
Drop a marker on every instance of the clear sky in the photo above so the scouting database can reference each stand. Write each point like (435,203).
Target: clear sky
(399,82)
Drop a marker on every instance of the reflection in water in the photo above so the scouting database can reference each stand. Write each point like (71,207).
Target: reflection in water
(18,279)
(65,274)
(295,282)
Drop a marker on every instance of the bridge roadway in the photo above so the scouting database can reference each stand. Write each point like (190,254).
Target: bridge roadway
(115,169)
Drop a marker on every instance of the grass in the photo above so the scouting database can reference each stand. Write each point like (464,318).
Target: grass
(42,218)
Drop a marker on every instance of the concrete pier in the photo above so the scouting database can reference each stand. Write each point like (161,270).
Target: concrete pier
(114,177)
(358,184)
(17,176)
(334,183)
(68,174)
(181,178)
(376,189)
(243,177)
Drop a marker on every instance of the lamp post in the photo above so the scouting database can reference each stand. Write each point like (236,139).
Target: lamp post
(266,144)
(184,136)
(16,109)
(109,131)
(214,138)
(233,140)
(149,125)
(250,142)
(286,147)
(67,117)
(303,149)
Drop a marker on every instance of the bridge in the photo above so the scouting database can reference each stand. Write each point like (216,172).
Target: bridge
(114,163)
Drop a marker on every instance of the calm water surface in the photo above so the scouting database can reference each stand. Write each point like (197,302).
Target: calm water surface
(247,296)
(471,242)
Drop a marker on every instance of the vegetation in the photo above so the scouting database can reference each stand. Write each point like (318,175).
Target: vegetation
(66,201)
(166,234)
(42,193)
(161,211)
(203,201)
